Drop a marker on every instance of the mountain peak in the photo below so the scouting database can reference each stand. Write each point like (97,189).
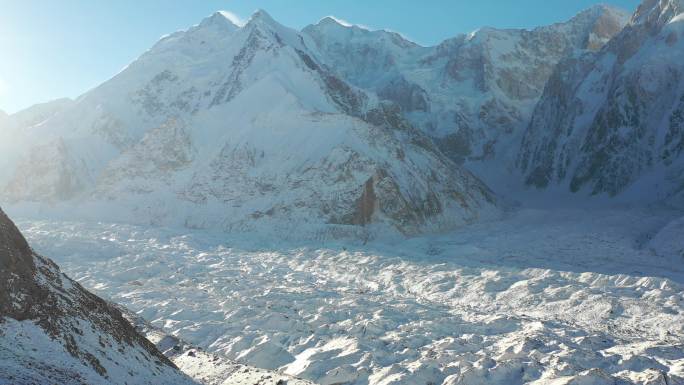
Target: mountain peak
(223,20)
(233,18)
(334,22)
(262,21)
(261,16)
(603,8)
(594,26)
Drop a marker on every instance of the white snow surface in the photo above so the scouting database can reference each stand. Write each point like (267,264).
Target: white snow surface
(569,296)
(32,356)
(205,367)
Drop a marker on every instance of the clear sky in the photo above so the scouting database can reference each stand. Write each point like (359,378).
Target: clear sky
(51,49)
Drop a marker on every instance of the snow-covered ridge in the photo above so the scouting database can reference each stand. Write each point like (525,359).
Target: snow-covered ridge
(241,128)
(473,94)
(657,11)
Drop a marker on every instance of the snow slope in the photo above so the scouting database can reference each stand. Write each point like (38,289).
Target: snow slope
(241,128)
(542,297)
(612,122)
(54,331)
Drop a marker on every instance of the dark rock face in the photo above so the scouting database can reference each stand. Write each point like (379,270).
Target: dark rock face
(32,288)
(366,204)
(410,97)
(16,263)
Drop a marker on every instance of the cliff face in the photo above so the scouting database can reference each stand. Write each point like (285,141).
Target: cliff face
(53,330)
(611,122)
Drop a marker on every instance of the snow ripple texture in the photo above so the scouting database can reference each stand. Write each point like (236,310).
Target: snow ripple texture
(563,297)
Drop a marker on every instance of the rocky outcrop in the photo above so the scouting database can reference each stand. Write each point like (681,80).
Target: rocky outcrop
(365,205)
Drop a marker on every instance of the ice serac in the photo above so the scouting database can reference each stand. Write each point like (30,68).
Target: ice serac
(474,93)
(244,128)
(612,122)
(54,331)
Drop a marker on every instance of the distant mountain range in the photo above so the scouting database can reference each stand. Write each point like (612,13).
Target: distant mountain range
(337,130)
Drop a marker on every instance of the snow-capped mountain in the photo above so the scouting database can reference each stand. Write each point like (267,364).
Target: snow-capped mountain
(54,331)
(474,93)
(227,126)
(612,122)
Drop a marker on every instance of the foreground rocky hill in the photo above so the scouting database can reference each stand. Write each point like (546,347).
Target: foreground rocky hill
(54,331)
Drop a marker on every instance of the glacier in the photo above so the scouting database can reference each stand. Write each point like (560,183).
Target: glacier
(543,296)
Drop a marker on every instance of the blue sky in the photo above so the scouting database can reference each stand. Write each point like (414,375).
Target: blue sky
(51,49)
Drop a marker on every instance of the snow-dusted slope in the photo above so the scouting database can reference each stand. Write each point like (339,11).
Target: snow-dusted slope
(226,126)
(613,122)
(54,331)
(474,93)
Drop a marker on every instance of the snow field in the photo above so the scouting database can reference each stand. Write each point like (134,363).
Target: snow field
(563,297)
